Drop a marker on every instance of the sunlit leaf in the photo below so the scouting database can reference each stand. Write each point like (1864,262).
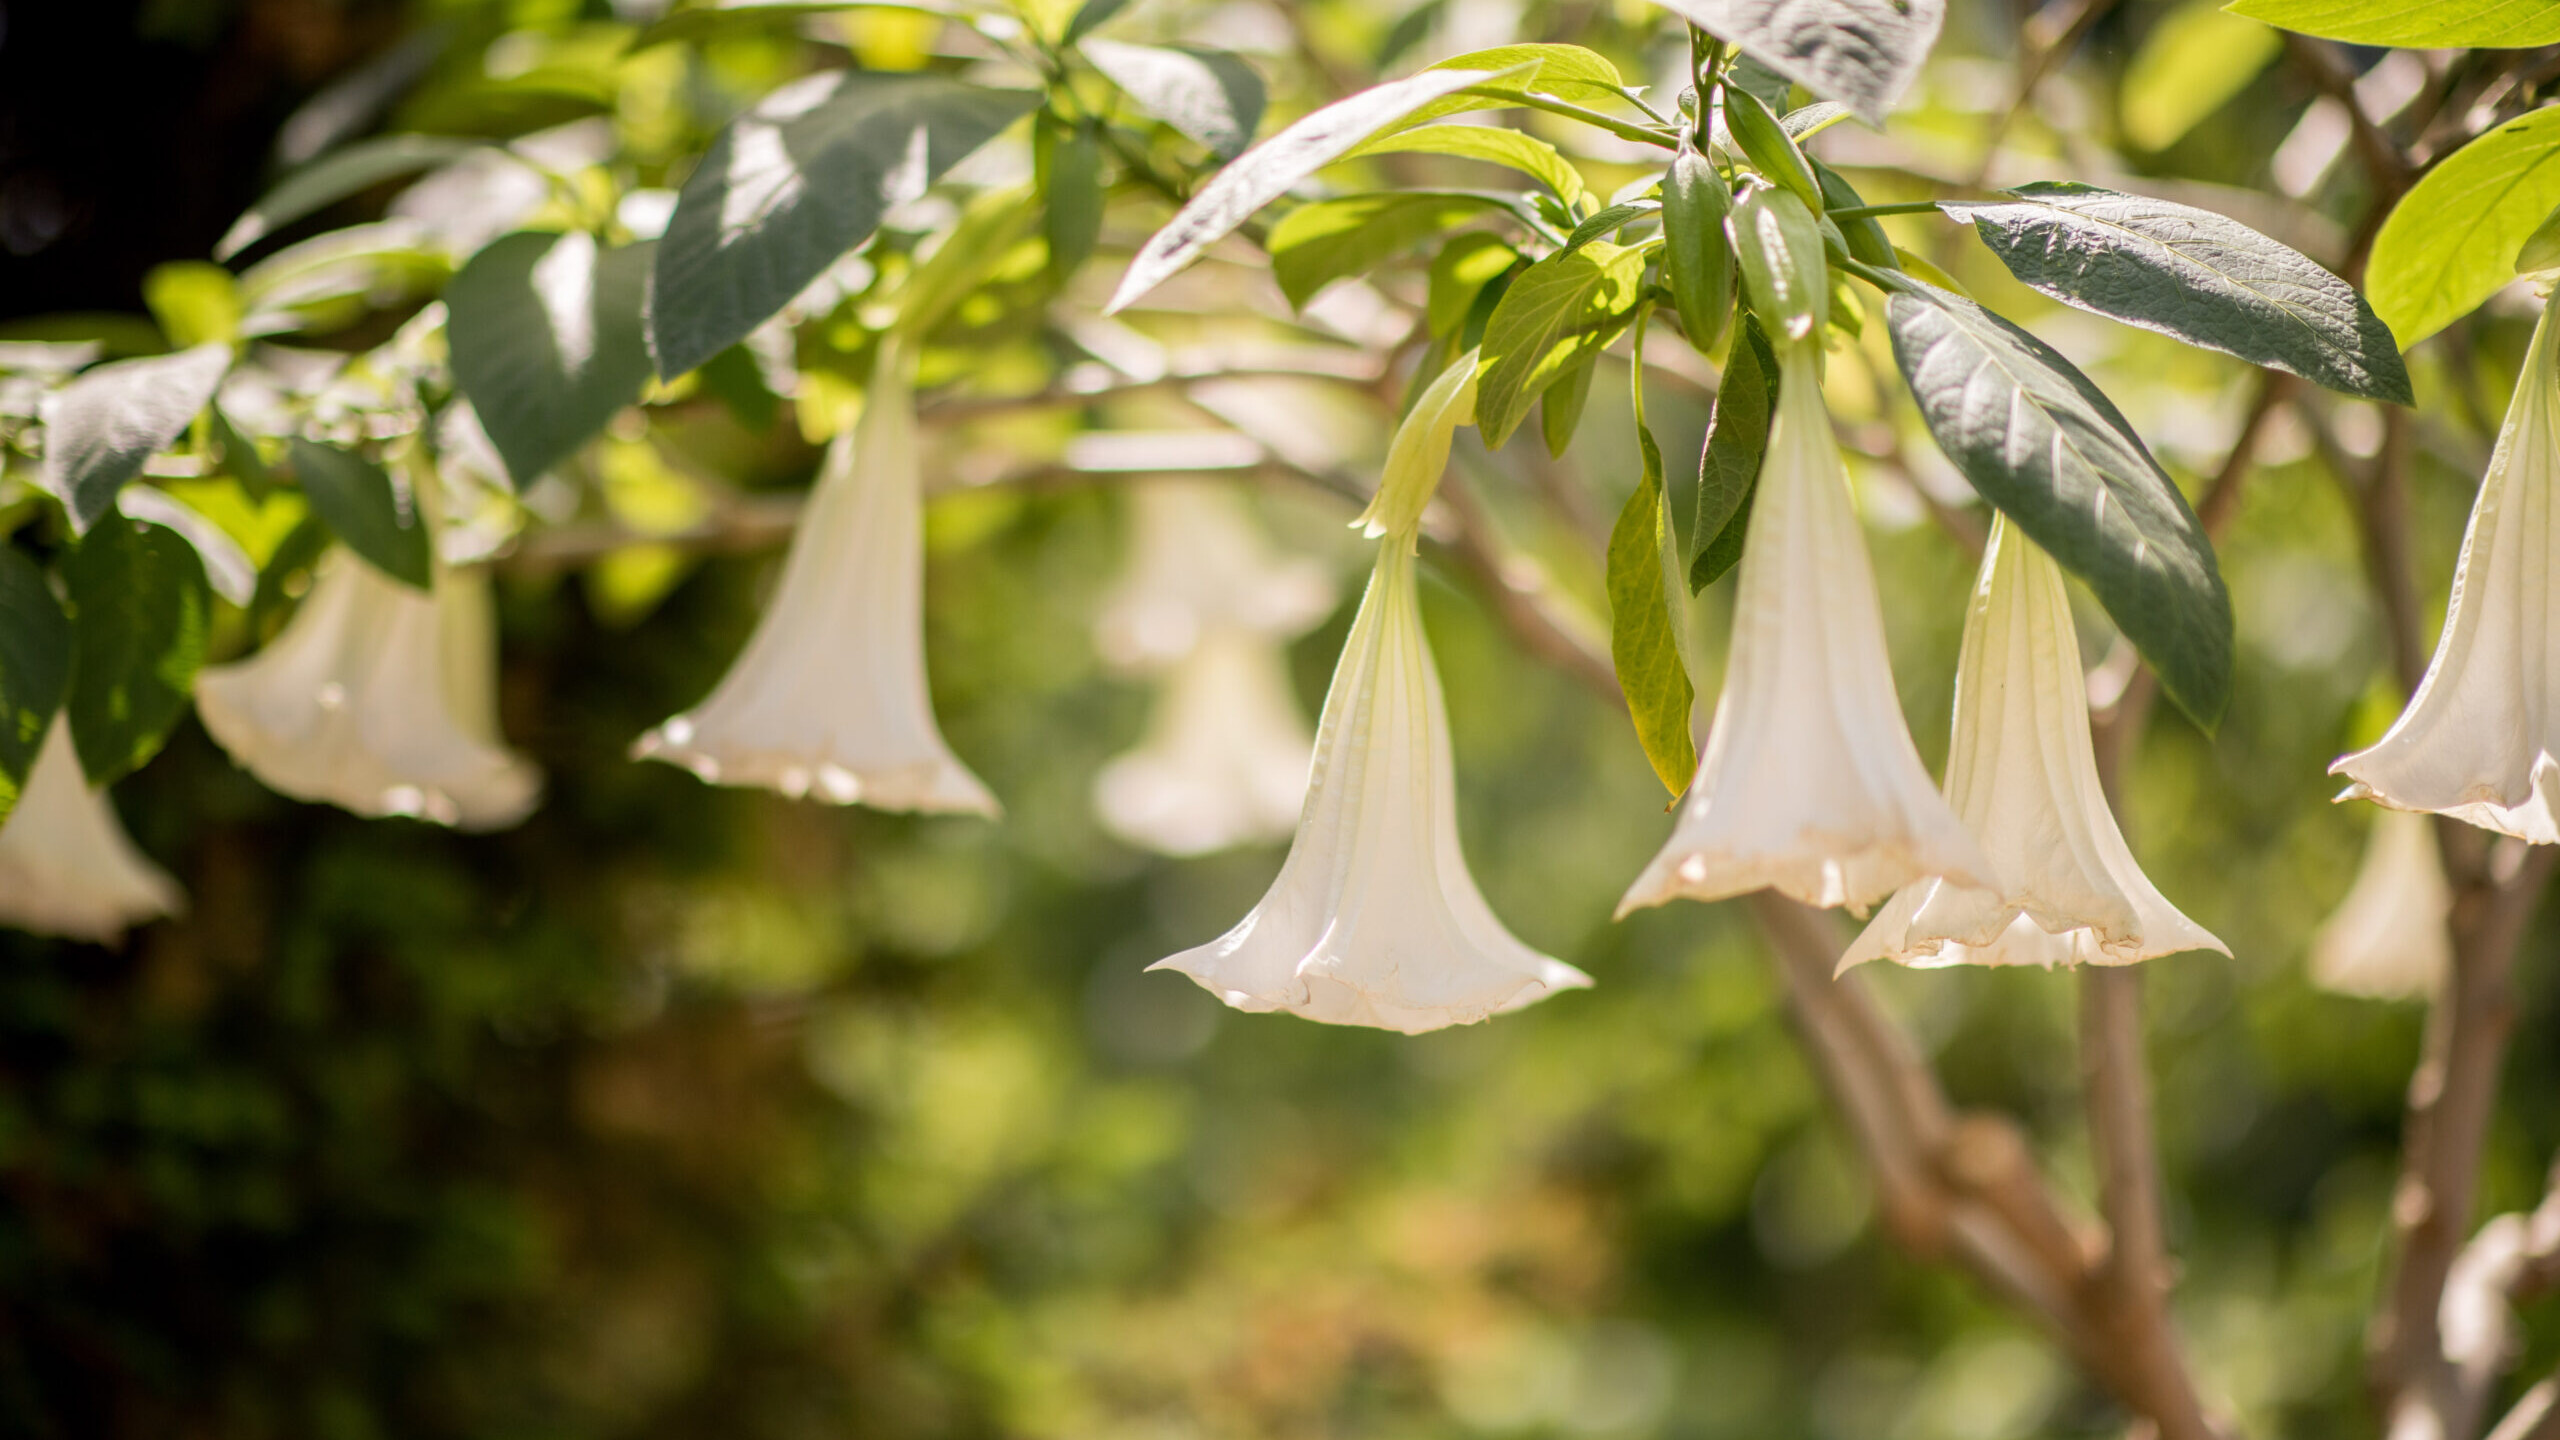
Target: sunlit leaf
(1561,309)
(2451,242)
(357,501)
(349,170)
(1642,642)
(103,425)
(1863,53)
(2417,24)
(548,342)
(1209,95)
(1315,245)
(139,611)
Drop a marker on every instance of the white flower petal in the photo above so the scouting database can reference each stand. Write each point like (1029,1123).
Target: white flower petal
(829,701)
(379,699)
(1197,562)
(66,864)
(1374,919)
(1809,784)
(1225,758)
(2387,939)
(2022,776)
(2479,738)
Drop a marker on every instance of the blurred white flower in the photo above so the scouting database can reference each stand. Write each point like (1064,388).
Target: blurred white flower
(378,698)
(1224,761)
(2021,774)
(1809,784)
(1374,919)
(2479,739)
(829,700)
(2387,939)
(66,865)
(1197,562)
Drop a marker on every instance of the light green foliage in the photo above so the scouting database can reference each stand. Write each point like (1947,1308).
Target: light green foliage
(1315,245)
(2452,240)
(1560,310)
(1489,143)
(2191,65)
(1642,639)
(2512,24)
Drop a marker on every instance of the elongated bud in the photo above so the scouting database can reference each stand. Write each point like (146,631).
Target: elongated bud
(1420,451)
(1769,146)
(1778,244)
(1699,260)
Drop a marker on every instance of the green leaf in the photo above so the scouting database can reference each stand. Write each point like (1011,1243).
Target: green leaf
(226,566)
(357,501)
(1567,72)
(792,185)
(1862,53)
(1729,466)
(1802,125)
(2190,65)
(548,342)
(1778,244)
(1089,17)
(1072,218)
(2056,456)
(342,272)
(1642,641)
(1315,245)
(139,608)
(240,457)
(1264,173)
(1609,221)
(35,668)
(106,423)
(348,170)
(1491,144)
(2451,242)
(1559,310)
(729,17)
(2195,276)
(1459,274)
(196,302)
(2416,24)
(1561,411)
(1209,95)
(976,244)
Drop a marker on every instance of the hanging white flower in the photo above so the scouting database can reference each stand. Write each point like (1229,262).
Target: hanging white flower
(1374,919)
(1224,761)
(1197,562)
(2479,739)
(1809,784)
(2022,776)
(378,698)
(2387,939)
(829,701)
(66,864)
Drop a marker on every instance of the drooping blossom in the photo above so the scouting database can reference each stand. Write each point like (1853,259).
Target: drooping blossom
(1198,563)
(2387,939)
(1809,784)
(66,865)
(1374,919)
(2022,775)
(378,698)
(2478,741)
(829,700)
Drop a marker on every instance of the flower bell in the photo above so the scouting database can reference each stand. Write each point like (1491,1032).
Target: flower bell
(1809,784)
(2479,739)
(66,865)
(2022,775)
(1374,919)
(379,699)
(2387,939)
(1198,563)
(828,701)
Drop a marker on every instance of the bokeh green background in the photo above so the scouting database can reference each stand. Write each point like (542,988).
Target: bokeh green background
(685,1112)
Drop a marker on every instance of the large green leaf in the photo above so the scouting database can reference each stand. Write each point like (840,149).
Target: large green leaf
(1264,173)
(355,498)
(139,608)
(348,170)
(1862,53)
(1642,642)
(2195,275)
(549,342)
(2452,240)
(114,417)
(1492,144)
(1567,72)
(2417,24)
(1209,95)
(1315,245)
(795,183)
(1729,465)
(1561,309)
(35,667)
(2056,456)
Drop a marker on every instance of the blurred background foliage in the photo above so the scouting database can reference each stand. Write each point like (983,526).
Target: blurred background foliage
(682,1111)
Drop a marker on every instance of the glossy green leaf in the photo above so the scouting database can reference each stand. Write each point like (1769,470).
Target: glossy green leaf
(2416,24)
(1492,144)
(1729,465)
(35,668)
(2193,275)
(1559,310)
(1567,72)
(1642,641)
(349,170)
(792,185)
(1315,245)
(1209,95)
(2039,441)
(2451,242)
(139,610)
(104,424)
(1862,53)
(549,342)
(357,501)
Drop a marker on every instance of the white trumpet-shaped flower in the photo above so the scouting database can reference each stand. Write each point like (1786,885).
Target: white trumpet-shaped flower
(1224,761)
(829,700)
(1197,563)
(2479,739)
(2387,939)
(66,865)
(378,698)
(2022,776)
(1374,919)
(1809,784)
